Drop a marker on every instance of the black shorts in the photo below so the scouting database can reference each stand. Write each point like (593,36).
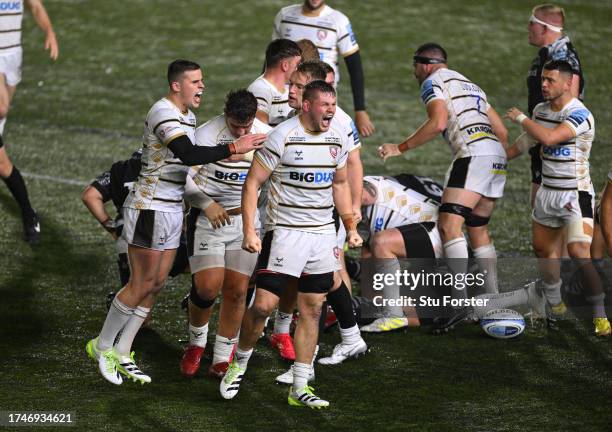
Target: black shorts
(416,240)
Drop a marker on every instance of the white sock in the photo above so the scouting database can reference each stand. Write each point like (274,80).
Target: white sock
(198,336)
(502,301)
(124,345)
(456,252)
(597,302)
(350,335)
(392,290)
(300,375)
(242,357)
(223,349)
(2,123)
(486,257)
(282,322)
(117,317)
(552,292)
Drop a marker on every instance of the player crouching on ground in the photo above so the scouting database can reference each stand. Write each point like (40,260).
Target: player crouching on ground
(305,159)
(218,262)
(566,129)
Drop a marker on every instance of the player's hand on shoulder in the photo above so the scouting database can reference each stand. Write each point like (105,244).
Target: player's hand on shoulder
(354,239)
(251,242)
(364,124)
(249,142)
(386,151)
(217,215)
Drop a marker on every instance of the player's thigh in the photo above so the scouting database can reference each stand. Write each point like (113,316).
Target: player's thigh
(6,166)
(208,282)
(544,239)
(420,241)
(388,243)
(145,265)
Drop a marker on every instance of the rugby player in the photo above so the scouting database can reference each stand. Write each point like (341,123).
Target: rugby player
(565,128)
(153,210)
(332,33)
(11,15)
(305,157)
(401,219)
(217,261)
(458,109)
(270,89)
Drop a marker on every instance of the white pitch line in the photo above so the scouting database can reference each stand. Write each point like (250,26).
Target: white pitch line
(55,179)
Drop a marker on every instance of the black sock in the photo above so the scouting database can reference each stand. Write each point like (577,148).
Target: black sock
(340,302)
(18,188)
(322,318)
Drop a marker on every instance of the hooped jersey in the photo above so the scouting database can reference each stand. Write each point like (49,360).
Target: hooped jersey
(346,123)
(302,165)
(222,181)
(161,183)
(400,204)
(270,100)
(469,131)
(565,166)
(11,16)
(330,31)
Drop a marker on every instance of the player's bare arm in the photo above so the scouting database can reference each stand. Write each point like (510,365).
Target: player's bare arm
(42,20)
(543,135)
(257,176)
(342,201)
(355,179)
(93,200)
(435,125)
(497,124)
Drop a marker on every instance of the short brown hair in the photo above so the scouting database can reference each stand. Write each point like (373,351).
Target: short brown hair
(549,9)
(309,50)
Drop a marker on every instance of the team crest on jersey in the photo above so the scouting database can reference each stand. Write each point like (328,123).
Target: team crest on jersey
(333,151)
(322,34)
(337,252)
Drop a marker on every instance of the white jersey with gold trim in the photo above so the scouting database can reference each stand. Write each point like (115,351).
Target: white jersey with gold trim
(223,181)
(344,122)
(330,31)
(468,131)
(398,205)
(303,166)
(161,183)
(270,100)
(11,16)
(565,166)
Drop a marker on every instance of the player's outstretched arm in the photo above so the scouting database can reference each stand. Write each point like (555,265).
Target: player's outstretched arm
(44,22)
(437,118)
(257,175)
(191,155)
(543,135)
(344,206)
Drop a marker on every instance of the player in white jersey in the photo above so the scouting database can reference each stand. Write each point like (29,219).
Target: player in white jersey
(305,158)
(11,15)
(153,210)
(270,89)
(566,129)
(458,109)
(216,258)
(332,33)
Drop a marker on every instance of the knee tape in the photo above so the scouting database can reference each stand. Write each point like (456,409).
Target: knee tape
(476,221)
(272,282)
(316,283)
(578,232)
(457,209)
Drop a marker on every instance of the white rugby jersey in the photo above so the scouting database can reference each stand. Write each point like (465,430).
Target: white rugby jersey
(330,31)
(11,14)
(303,166)
(468,131)
(397,205)
(161,182)
(565,166)
(222,181)
(270,100)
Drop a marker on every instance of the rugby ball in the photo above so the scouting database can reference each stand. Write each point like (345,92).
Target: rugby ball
(503,323)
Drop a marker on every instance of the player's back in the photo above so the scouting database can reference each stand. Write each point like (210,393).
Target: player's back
(469,131)
(565,166)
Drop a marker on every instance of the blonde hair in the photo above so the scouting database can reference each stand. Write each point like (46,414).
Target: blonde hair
(549,9)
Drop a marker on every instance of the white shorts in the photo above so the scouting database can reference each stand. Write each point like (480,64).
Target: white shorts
(298,253)
(485,175)
(341,236)
(152,229)
(213,248)
(557,208)
(10,67)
